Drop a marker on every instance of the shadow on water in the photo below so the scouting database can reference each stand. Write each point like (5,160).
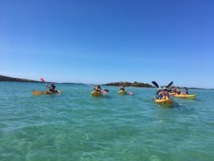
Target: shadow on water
(184,108)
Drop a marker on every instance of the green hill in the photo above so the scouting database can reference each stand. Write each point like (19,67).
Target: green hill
(11,79)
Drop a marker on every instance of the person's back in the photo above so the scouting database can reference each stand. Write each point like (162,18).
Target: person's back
(186,91)
(98,88)
(122,88)
(52,88)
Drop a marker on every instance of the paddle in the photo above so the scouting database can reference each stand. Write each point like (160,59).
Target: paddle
(169,84)
(156,85)
(130,93)
(42,79)
(174,101)
(104,91)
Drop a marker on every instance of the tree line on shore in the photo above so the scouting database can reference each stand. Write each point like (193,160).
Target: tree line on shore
(128,84)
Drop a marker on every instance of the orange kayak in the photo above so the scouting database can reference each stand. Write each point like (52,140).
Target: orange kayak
(123,92)
(44,92)
(164,101)
(190,96)
(96,93)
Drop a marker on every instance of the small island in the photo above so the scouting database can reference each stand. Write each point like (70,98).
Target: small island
(128,84)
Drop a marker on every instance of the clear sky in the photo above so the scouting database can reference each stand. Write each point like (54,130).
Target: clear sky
(102,41)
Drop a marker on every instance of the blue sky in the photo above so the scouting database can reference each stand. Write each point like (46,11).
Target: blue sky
(101,41)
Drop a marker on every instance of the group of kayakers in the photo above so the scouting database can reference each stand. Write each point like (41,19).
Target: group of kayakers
(177,90)
(164,93)
(98,88)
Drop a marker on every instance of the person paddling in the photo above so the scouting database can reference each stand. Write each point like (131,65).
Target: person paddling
(98,88)
(159,95)
(178,90)
(186,91)
(52,88)
(122,87)
(165,93)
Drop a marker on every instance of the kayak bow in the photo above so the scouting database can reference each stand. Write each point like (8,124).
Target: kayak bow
(122,92)
(96,93)
(164,101)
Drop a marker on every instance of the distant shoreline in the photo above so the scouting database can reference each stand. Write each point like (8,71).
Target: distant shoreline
(129,84)
(12,79)
(126,84)
(146,85)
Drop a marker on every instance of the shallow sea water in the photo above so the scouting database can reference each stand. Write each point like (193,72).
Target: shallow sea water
(74,126)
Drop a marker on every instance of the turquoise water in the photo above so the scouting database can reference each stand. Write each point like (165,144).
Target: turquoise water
(74,126)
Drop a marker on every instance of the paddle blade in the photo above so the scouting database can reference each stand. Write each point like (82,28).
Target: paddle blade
(42,80)
(156,85)
(104,92)
(130,93)
(169,84)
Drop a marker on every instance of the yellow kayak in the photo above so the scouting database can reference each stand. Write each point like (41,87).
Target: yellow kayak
(96,94)
(172,93)
(123,92)
(164,101)
(191,96)
(44,92)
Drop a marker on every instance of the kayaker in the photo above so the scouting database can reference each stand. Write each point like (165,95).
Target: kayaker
(186,91)
(174,90)
(165,93)
(52,87)
(98,88)
(178,90)
(159,95)
(122,87)
(159,90)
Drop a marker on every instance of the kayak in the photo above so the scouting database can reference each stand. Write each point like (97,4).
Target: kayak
(172,93)
(96,94)
(123,92)
(164,101)
(44,92)
(191,96)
